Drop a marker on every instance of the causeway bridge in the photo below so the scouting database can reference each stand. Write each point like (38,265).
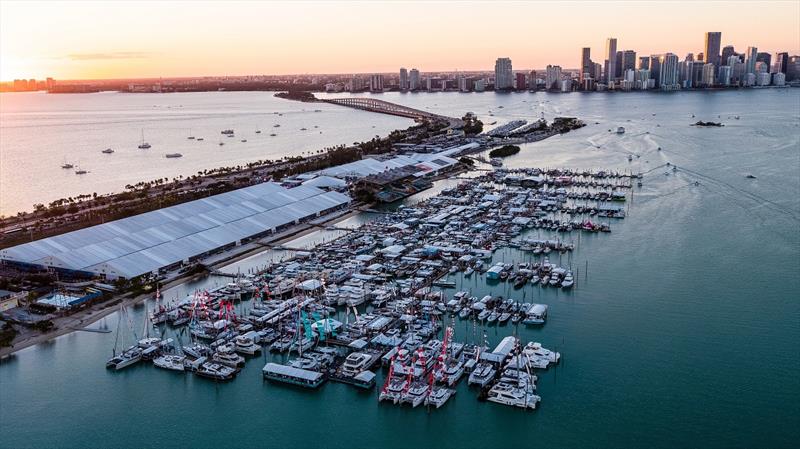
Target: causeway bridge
(385,107)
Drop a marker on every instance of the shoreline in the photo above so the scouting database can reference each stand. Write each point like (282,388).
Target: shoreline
(87,317)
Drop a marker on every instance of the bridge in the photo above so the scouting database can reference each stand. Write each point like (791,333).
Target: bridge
(385,107)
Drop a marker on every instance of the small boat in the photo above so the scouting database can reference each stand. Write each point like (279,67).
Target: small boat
(170,362)
(228,132)
(751,176)
(143,145)
(273,135)
(258,131)
(221,143)
(67,165)
(216,371)
(107,151)
(199,139)
(244,140)
(620,130)
(276,125)
(80,171)
(303,129)
(173,155)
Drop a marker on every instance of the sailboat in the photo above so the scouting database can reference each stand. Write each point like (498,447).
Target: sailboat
(191,137)
(143,145)
(126,357)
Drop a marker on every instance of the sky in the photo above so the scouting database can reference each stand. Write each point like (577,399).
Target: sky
(120,39)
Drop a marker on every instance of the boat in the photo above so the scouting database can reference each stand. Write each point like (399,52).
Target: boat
(536,314)
(620,130)
(303,129)
(258,131)
(482,374)
(355,363)
(276,125)
(228,132)
(273,135)
(246,345)
(172,155)
(515,396)
(439,395)
(394,389)
(143,145)
(296,376)
(568,281)
(751,176)
(244,140)
(416,394)
(468,272)
(197,350)
(216,371)
(199,139)
(80,171)
(107,151)
(127,358)
(171,362)
(66,165)
(225,355)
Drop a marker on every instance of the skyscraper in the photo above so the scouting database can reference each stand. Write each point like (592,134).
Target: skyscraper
(780,62)
(586,62)
(727,52)
(628,60)
(553,77)
(764,57)
(413,82)
(611,59)
(502,74)
(376,83)
(711,50)
(644,62)
(655,69)
(668,74)
(403,78)
(750,59)
(520,83)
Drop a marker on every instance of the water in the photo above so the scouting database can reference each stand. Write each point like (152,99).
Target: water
(41,132)
(682,331)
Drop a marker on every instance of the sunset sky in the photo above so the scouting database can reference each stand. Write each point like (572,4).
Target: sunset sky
(86,40)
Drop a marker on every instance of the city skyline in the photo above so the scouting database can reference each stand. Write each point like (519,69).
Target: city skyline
(131,42)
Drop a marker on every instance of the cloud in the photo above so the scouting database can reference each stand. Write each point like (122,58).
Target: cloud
(112,55)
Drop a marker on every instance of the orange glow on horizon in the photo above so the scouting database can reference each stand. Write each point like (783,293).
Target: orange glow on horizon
(92,40)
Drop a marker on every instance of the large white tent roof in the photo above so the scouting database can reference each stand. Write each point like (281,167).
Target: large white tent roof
(144,243)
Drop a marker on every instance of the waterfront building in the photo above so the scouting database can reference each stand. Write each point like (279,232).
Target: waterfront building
(709,71)
(463,83)
(611,59)
(566,85)
(779,63)
(727,52)
(765,58)
(642,79)
(701,57)
(503,74)
(750,59)
(586,63)
(793,68)
(711,49)
(356,84)
(403,78)
(520,83)
(413,80)
(778,79)
(668,73)
(480,85)
(598,71)
(376,83)
(689,57)
(749,79)
(644,62)
(655,68)
(588,84)
(724,76)
(762,67)
(553,77)
(629,75)
(628,61)
(738,73)
(763,78)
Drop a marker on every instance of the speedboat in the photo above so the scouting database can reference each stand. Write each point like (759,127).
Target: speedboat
(173,155)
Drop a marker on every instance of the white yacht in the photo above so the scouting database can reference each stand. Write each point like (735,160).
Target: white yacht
(416,394)
(216,371)
(225,355)
(509,394)
(246,345)
(438,396)
(394,390)
(170,362)
(568,281)
(482,374)
(620,130)
(451,373)
(355,363)
(125,359)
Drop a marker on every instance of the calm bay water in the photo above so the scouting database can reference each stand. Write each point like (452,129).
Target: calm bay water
(40,132)
(682,329)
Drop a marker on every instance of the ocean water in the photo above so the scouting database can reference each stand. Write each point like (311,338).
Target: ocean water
(682,329)
(40,132)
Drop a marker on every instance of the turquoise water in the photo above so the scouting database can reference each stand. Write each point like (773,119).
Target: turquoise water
(682,329)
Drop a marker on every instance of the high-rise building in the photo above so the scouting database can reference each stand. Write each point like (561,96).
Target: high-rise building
(503,74)
(778,79)
(709,72)
(611,59)
(700,57)
(553,77)
(750,59)
(403,78)
(356,84)
(628,60)
(668,74)
(793,68)
(644,63)
(376,83)
(779,64)
(655,69)
(724,76)
(764,57)
(463,83)
(711,50)
(586,63)
(618,66)
(520,83)
(597,71)
(727,52)
(413,79)
(689,57)
(694,74)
